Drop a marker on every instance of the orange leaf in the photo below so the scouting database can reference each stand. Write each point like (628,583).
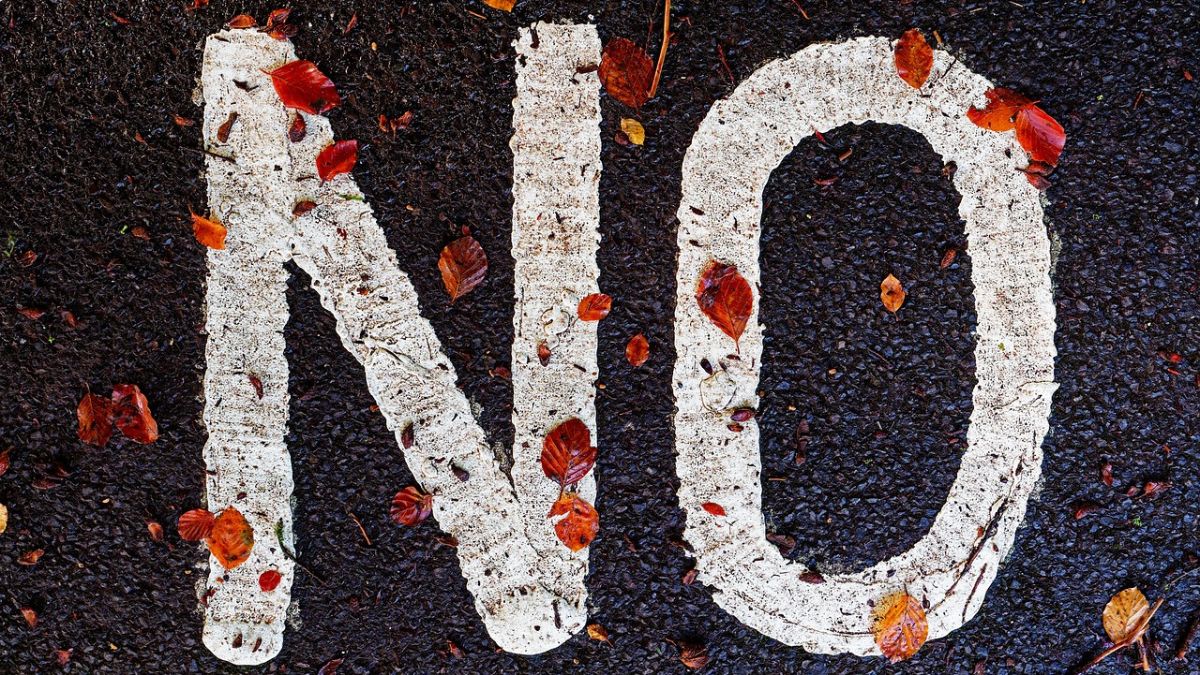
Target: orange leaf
(301,86)
(725,298)
(269,580)
(231,538)
(131,413)
(337,159)
(196,524)
(410,506)
(209,232)
(464,265)
(30,616)
(637,351)
(594,307)
(713,508)
(579,527)
(626,72)
(502,5)
(1000,113)
(242,21)
(900,626)
(914,58)
(891,293)
(1040,134)
(95,420)
(1125,613)
(155,529)
(568,453)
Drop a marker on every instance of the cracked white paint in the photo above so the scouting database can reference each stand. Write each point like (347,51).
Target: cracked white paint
(738,145)
(528,587)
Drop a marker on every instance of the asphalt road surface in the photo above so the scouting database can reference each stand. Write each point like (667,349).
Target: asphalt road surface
(89,153)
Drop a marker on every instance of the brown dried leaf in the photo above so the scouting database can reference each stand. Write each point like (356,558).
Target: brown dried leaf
(30,558)
(914,58)
(626,72)
(1125,613)
(463,265)
(594,307)
(567,452)
(579,527)
(131,414)
(597,632)
(155,529)
(726,299)
(95,420)
(891,293)
(30,616)
(900,626)
(693,655)
(637,350)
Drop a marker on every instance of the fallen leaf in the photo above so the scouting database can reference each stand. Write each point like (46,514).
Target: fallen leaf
(394,124)
(578,528)
(196,524)
(31,617)
(544,353)
(1106,474)
(1000,113)
(231,539)
(914,58)
(3,518)
(209,232)
(5,460)
(812,577)
(713,508)
(891,293)
(330,668)
(298,129)
(455,651)
(269,580)
(900,626)
(31,313)
(598,633)
(1040,134)
(568,453)
(626,72)
(594,307)
(407,437)
(633,130)
(277,25)
(948,258)
(181,121)
(1124,614)
(1155,487)
(726,299)
(463,265)
(155,529)
(226,127)
(131,414)
(337,159)
(302,208)
(689,577)
(502,5)
(30,558)
(95,420)
(63,656)
(693,655)
(242,21)
(302,86)
(410,506)
(637,350)
(1085,508)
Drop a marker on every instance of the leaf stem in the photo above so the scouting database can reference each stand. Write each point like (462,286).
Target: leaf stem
(662,52)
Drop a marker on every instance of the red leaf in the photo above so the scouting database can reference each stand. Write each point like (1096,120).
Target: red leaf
(578,528)
(626,72)
(29,558)
(95,420)
(914,58)
(31,313)
(594,307)
(637,351)
(544,353)
(30,616)
(1000,113)
(301,86)
(209,232)
(302,208)
(226,127)
(725,298)
(713,508)
(410,506)
(278,17)
(1106,474)
(242,21)
(269,580)
(5,460)
(1041,136)
(155,529)
(231,539)
(196,524)
(131,413)
(298,130)
(337,159)
(568,453)
(464,265)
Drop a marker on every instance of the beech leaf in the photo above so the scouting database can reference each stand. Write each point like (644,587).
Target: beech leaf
(463,265)
(302,86)
(131,414)
(914,58)
(594,307)
(410,506)
(196,524)
(633,130)
(337,159)
(269,580)
(1040,134)
(209,232)
(568,453)
(626,71)
(891,293)
(1124,614)
(726,299)
(502,5)
(900,626)
(637,350)
(1000,113)
(578,528)
(95,420)
(231,538)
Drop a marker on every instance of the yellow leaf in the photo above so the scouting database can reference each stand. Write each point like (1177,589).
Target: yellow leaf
(3,518)
(1125,613)
(891,293)
(634,130)
(900,626)
(502,5)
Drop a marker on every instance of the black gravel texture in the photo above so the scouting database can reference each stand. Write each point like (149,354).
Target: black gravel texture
(89,153)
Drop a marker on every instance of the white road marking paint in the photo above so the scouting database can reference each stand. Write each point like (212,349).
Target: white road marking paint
(738,145)
(528,587)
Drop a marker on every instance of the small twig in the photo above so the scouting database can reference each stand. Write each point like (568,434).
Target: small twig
(1135,637)
(721,55)
(1181,653)
(801,10)
(662,52)
(358,522)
